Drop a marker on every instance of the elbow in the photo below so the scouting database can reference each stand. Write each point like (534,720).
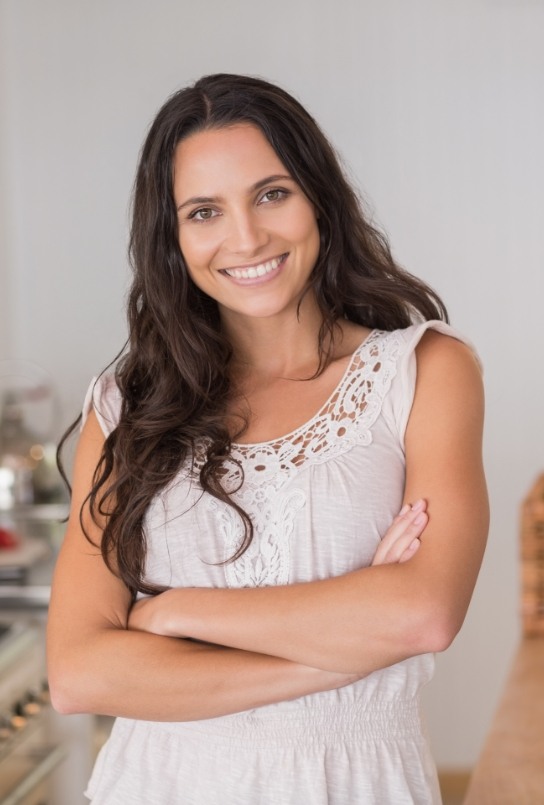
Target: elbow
(66,697)
(440,637)
(436,630)
(62,702)
(71,689)
(80,673)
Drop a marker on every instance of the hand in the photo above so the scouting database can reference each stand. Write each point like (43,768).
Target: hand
(402,539)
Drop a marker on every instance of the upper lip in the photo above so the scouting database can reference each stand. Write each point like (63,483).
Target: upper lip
(256,263)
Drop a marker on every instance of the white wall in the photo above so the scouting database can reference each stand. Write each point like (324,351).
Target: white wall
(438,110)
(5,208)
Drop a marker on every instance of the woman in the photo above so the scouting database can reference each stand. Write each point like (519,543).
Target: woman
(257,614)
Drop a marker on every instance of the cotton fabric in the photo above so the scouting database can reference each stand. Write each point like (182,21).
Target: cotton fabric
(320,498)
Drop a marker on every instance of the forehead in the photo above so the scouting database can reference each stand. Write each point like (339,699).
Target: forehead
(237,155)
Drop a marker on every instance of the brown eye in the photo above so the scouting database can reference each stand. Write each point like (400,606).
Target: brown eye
(274,195)
(203,214)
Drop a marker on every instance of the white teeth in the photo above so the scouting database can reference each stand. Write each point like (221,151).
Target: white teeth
(254,271)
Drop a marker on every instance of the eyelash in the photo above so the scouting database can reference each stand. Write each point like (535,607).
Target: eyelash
(192,215)
(280,190)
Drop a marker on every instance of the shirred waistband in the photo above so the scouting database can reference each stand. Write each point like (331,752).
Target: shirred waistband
(325,723)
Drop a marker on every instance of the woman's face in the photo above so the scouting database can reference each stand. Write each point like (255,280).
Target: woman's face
(248,234)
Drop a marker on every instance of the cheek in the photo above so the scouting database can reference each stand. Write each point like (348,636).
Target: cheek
(196,249)
(200,278)
(304,226)
(307,232)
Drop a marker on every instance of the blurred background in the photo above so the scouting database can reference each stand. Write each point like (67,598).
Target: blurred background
(437,110)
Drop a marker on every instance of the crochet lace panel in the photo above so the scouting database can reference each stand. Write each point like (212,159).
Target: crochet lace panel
(345,421)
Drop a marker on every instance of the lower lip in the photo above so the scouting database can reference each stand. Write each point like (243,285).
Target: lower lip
(259,280)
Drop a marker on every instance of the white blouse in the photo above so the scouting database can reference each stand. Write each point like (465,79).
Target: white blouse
(320,499)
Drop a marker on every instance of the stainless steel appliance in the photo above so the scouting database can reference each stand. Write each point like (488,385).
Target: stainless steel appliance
(29,752)
(45,758)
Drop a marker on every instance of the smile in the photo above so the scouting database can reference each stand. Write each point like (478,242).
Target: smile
(252,272)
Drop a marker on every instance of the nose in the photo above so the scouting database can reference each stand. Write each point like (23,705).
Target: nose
(246,233)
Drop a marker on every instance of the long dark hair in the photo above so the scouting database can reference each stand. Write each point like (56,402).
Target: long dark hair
(174,374)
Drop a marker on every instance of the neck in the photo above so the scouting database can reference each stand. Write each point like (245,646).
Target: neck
(278,346)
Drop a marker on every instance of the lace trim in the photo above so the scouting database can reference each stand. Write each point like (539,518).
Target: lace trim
(267,560)
(345,421)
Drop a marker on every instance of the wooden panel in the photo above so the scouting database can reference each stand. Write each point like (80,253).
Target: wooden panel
(510,770)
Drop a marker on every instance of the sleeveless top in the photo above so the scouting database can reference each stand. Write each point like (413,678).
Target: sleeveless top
(320,499)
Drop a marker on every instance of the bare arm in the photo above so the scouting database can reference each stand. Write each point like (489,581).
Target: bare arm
(96,664)
(375,616)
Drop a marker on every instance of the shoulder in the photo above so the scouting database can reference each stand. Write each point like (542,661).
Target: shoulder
(435,349)
(446,358)
(104,398)
(441,354)
(448,385)
(427,361)
(435,337)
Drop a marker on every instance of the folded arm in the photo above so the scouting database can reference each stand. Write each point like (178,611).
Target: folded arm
(95,664)
(376,616)
(98,665)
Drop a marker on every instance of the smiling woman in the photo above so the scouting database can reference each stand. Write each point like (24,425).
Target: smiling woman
(279,509)
(253,232)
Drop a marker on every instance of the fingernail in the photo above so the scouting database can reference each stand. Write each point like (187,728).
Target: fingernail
(418,505)
(405,509)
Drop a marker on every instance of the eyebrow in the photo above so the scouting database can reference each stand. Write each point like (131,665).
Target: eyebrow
(276,177)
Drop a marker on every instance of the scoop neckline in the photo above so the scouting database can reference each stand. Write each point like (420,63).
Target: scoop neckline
(241,446)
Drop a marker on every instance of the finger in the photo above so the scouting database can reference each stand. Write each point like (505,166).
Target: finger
(410,551)
(408,514)
(408,511)
(400,535)
(398,527)
(413,531)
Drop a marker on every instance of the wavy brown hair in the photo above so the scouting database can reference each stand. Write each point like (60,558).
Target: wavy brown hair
(174,372)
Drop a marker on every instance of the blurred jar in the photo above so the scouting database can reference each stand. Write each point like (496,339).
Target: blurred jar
(28,471)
